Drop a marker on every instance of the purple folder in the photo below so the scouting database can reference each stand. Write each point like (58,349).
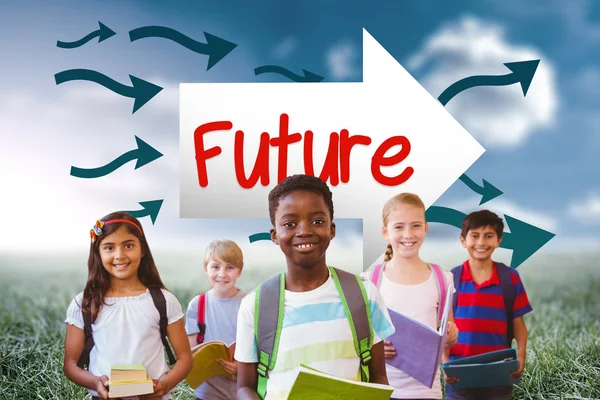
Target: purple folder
(419,347)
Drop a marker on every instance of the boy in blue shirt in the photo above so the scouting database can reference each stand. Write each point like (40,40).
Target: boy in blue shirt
(223,263)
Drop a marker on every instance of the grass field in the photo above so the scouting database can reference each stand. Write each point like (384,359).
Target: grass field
(563,360)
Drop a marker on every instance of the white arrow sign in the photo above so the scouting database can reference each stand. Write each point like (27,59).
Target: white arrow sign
(374,139)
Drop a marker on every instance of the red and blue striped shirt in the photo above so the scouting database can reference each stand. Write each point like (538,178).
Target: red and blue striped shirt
(480,315)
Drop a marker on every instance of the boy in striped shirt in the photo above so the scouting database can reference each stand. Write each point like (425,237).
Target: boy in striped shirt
(315,329)
(480,314)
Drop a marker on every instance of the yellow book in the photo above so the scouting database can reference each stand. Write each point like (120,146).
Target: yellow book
(205,357)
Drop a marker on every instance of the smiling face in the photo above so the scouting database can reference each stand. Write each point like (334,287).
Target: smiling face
(121,254)
(405,230)
(303,229)
(222,276)
(481,243)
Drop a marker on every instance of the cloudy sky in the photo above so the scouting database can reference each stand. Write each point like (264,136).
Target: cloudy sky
(540,150)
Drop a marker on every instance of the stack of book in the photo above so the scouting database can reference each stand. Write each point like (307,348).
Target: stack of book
(129,380)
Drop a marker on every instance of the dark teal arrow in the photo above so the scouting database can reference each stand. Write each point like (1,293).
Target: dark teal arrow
(103,33)
(142,91)
(215,47)
(308,76)
(144,155)
(522,72)
(523,239)
(487,192)
(260,236)
(149,208)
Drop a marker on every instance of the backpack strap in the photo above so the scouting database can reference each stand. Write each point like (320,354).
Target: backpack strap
(457,274)
(376,275)
(354,298)
(442,289)
(201,318)
(508,292)
(268,321)
(161,305)
(84,358)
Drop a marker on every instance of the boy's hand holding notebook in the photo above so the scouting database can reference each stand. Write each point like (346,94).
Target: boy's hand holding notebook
(129,380)
(489,369)
(206,364)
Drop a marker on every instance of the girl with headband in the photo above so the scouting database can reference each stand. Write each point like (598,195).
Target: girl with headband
(125,314)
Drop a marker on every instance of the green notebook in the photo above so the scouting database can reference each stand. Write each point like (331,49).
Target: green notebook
(313,384)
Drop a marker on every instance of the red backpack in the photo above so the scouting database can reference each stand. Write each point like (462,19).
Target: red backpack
(201,316)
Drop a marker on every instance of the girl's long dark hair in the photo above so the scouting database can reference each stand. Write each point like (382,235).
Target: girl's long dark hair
(98,281)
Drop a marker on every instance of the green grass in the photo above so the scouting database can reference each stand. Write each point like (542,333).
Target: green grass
(563,358)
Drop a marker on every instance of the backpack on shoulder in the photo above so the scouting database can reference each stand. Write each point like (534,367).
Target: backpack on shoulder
(161,305)
(508,293)
(201,318)
(268,321)
(442,286)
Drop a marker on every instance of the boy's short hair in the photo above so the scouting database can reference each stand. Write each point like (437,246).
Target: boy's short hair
(227,251)
(296,183)
(480,219)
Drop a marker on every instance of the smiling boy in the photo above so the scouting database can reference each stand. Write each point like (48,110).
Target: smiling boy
(484,289)
(223,264)
(315,329)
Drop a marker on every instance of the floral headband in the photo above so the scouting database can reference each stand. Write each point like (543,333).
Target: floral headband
(97,229)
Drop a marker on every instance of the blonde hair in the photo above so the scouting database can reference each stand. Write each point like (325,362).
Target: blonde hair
(410,199)
(225,250)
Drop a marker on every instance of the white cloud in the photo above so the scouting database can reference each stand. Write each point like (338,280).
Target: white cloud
(342,61)
(586,210)
(285,47)
(496,116)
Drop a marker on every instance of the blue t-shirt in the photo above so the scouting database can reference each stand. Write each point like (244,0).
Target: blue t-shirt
(221,322)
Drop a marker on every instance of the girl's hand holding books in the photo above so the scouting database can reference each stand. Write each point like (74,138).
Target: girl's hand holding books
(159,391)
(229,367)
(388,349)
(452,335)
(101,384)
(450,379)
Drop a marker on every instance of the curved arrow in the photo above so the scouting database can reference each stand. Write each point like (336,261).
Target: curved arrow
(523,239)
(487,191)
(141,90)
(149,208)
(215,47)
(144,155)
(259,236)
(522,72)
(308,76)
(103,33)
